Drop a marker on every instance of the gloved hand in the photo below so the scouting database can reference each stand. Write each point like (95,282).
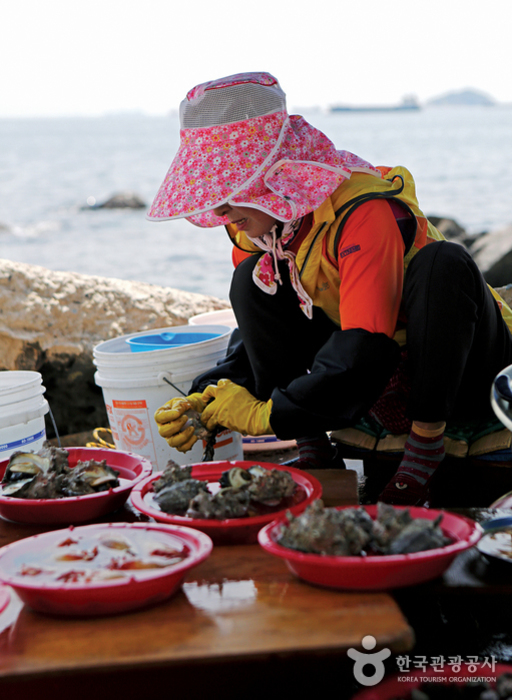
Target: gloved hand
(170,419)
(233,407)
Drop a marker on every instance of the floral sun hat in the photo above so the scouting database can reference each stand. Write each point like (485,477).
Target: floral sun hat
(239,146)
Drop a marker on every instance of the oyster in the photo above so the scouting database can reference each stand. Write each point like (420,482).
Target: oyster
(271,486)
(236,478)
(194,418)
(226,503)
(208,436)
(171,474)
(322,530)
(257,470)
(41,485)
(350,531)
(89,477)
(418,536)
(175,498)
(58,457)
(31,474)
(23,465)
(16,488)
(176,492)
(388,524)
(46,474)
(264,485)
(397,532)
(176,488)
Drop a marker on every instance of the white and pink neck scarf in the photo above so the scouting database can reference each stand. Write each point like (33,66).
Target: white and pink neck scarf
(266,274)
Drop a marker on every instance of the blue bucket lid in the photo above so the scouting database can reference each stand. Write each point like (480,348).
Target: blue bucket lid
(161,341)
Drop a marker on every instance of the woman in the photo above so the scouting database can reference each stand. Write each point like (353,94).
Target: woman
(345,296)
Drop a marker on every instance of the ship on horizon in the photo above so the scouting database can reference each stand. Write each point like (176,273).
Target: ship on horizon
(409,103)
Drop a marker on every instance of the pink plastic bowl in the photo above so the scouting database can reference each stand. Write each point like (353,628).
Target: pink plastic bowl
(234,530)
(377,572)
(77,509)
(106,597)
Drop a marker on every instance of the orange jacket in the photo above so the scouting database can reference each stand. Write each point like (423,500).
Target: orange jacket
(352,259)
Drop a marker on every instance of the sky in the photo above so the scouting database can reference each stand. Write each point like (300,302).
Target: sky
(76,57)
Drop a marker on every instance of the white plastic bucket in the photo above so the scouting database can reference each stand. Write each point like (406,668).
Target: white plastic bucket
(225,317)
(134,385)
(22,411)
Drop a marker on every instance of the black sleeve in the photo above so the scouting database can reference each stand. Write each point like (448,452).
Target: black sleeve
(348,375)
(234,366)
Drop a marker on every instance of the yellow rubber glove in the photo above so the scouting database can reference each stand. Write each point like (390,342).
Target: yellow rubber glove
(171,418)
(233,407)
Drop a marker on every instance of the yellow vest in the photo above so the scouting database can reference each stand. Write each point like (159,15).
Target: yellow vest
(319,276)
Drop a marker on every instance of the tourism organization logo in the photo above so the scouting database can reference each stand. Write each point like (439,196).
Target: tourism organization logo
(374,660)
(369,668)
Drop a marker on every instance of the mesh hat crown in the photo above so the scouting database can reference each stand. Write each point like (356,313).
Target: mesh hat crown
(238,145)
(233,99)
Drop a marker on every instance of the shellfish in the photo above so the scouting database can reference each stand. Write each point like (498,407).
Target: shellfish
(171,474)
(46,474)
(175,498)
(271,486)
(351,531)
(89,477)
(268,486)
(23,465)
(226,503)
(176,488)
(176,492)
(194,418)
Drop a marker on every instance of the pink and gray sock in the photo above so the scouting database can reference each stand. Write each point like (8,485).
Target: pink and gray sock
(424,451)
(315,453)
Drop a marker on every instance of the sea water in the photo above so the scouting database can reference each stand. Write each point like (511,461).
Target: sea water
(51,168)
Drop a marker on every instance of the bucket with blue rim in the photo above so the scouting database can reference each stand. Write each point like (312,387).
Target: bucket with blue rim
(162,341)
(140,372)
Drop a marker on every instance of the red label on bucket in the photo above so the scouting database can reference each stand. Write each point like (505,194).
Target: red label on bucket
(224,438)
(129,404)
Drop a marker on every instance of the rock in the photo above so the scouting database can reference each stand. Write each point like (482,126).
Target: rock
(492,253)
(121,200)
(51,321)
(448,227)
(506,293)
(453,231)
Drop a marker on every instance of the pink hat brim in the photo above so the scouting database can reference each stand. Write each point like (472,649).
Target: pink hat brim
(280,165)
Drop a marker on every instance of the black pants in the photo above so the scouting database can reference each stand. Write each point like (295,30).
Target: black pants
(456,338)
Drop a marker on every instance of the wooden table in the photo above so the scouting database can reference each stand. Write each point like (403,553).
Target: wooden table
(241,619)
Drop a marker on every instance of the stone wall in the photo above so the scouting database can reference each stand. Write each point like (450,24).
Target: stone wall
(51,321)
